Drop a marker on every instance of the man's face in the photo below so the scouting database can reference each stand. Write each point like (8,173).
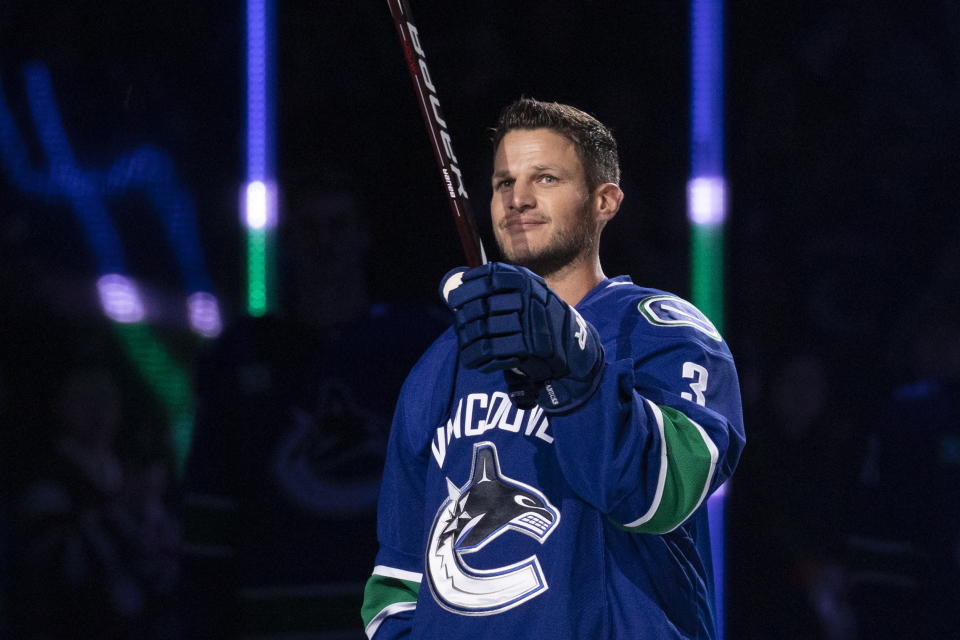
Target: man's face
(541,207)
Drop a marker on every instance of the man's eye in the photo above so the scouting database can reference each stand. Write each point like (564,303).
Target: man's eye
(548,178)
(504,183)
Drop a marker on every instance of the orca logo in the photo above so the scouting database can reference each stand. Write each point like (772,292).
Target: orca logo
(486,507)
(671,311)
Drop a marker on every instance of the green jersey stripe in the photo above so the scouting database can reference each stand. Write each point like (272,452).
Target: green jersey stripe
(688,459)
(385,596)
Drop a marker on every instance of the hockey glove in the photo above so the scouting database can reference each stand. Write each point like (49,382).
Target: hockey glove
(507,319)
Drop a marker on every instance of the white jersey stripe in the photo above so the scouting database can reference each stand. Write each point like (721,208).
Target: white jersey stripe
(386,612)
(400,574)
(662,478)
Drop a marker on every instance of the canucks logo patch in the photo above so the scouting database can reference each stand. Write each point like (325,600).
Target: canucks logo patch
(671,311)
(488,506)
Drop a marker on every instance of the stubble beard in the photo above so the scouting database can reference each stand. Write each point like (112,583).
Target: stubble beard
(564,248)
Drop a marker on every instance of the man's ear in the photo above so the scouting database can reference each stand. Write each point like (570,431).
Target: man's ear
(606,201)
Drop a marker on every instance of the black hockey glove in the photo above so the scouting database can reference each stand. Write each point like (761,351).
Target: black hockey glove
(507,319)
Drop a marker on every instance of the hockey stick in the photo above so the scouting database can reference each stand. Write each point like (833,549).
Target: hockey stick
(439,136)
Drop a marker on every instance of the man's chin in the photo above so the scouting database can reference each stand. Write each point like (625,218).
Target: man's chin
(520,258)
(544,263)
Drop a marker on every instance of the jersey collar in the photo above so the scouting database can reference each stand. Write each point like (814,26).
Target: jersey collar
(603,285)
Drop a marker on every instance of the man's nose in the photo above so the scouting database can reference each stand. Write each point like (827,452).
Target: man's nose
(522,197)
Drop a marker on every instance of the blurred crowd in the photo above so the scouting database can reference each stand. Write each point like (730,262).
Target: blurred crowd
(843,280)
(268,530)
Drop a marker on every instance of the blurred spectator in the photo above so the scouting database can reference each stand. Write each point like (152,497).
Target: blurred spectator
(905,542)
(145,497)
(5,516)
(815,470)
(800,469)
(293,414)
(88,564)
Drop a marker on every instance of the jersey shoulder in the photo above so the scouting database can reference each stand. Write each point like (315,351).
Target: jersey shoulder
(652,314)
(426,392)
(441,354)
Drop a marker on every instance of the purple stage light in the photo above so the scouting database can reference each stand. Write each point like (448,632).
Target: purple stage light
(120,299)
(707,212)
(259,206)
(258,83)
(716,508)
(706,88)
(258,200)
(721,491)
(204,313)
(707,200)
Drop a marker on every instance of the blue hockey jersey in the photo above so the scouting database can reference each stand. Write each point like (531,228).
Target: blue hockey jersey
(498,522)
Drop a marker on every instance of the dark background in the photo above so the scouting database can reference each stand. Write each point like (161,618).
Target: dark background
(842,243)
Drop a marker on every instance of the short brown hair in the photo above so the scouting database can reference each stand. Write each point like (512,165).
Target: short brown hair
(594,142)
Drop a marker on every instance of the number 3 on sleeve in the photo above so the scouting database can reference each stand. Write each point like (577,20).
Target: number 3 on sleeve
(699,375)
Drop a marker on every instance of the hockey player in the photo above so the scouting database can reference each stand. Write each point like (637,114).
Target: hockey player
(551,453)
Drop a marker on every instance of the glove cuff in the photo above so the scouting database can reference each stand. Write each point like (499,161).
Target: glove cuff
(570,392)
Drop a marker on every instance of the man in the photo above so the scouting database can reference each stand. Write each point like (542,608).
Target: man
(551,453)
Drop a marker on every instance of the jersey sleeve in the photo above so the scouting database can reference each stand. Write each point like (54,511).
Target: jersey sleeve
(390,596)
(663,430)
